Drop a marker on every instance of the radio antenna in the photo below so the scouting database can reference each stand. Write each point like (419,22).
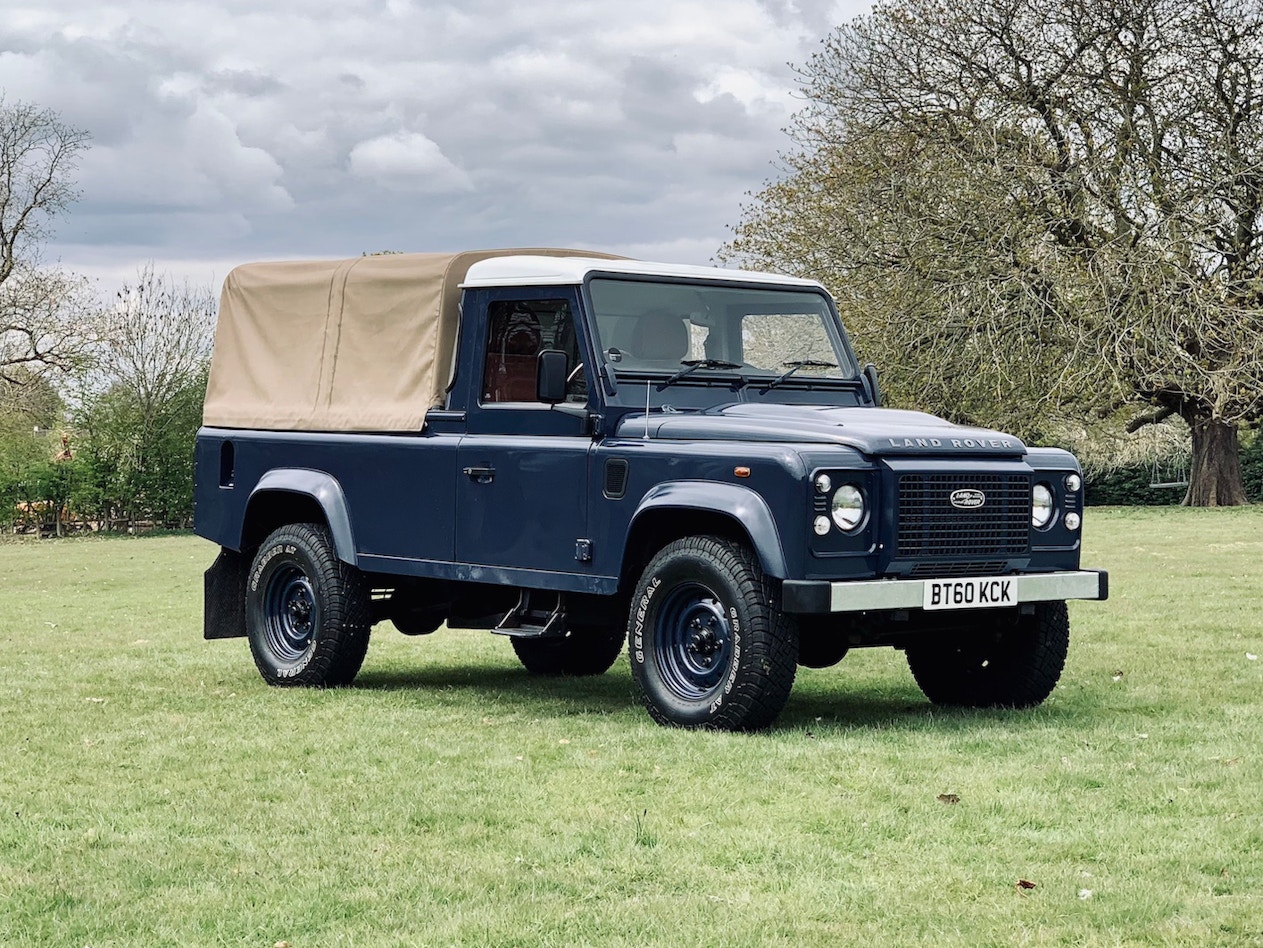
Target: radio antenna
(646,409)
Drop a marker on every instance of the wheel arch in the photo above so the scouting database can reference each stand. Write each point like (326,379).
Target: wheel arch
(299,495)
(692,508)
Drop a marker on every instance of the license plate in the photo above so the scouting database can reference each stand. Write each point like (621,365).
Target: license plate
(974,593)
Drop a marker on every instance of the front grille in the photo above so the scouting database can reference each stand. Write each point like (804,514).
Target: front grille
(955,570)
(930,526)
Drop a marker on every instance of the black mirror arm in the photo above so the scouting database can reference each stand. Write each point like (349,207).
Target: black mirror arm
(870,383)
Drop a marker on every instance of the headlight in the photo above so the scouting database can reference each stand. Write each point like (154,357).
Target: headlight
(848,508)
(1041,506)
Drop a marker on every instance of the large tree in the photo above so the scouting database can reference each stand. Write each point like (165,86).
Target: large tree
(1036,211)
(141,402)
(45,313)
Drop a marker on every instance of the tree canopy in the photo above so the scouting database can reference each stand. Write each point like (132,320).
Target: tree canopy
(1037,213)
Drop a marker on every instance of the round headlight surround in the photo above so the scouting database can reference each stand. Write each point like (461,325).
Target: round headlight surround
(848,508)
(1042,506)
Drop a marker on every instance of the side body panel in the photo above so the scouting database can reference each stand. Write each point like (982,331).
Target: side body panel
(398,490)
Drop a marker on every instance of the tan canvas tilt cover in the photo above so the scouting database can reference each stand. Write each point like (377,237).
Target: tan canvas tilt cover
(339,345)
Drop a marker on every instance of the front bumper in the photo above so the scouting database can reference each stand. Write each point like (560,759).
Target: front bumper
(872,595)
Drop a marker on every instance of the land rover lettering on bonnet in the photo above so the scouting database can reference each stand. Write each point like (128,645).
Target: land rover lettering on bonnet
(587,454)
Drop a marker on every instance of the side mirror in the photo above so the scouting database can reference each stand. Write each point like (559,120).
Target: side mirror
(870,383)
(551,368)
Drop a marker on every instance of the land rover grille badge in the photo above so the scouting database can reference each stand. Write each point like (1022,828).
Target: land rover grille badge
(968,499)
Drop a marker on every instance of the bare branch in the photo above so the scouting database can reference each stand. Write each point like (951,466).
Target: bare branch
(41,311)
(1162,414)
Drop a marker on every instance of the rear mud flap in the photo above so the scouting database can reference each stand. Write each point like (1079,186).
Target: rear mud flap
(225,596)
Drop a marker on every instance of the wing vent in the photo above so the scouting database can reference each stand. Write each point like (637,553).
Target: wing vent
(615,478)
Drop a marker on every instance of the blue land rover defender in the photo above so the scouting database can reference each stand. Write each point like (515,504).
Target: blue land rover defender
(578,451)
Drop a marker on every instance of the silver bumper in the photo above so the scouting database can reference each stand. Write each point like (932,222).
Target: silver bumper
(877,594)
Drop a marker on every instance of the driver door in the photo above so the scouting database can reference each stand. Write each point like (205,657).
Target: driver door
(522,467)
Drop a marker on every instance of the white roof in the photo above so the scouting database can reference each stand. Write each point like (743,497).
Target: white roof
(530,270)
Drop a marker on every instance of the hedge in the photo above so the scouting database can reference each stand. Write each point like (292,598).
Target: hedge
(1129,486)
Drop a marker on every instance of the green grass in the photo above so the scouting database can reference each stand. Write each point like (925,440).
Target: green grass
(153,791)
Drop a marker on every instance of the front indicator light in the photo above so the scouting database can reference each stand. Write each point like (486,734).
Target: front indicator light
(1041,506)
(821,526)
(1072,521)
(1073,483)
(848,508)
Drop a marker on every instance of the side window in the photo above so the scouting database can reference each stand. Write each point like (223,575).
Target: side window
(518,330)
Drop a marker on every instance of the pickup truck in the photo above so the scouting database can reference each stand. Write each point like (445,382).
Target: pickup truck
(585,453)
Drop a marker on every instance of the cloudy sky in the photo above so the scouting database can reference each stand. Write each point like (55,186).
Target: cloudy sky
(251,129)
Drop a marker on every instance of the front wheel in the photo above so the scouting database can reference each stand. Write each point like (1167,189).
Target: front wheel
(307,613)
(708,643)
(1008,664)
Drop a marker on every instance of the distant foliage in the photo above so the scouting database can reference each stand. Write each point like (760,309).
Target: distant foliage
(121,457)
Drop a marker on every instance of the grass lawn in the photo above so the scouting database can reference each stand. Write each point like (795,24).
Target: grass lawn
(154,791)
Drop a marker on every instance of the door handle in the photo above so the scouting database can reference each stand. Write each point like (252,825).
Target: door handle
(483,475)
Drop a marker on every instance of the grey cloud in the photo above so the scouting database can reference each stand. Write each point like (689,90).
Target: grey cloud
(263,128)
(244,82)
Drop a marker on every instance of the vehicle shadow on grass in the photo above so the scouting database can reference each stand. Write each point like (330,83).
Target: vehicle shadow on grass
(816,710)
(824,712)
(600,693)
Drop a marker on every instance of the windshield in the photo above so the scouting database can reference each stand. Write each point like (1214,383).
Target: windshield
(651,327)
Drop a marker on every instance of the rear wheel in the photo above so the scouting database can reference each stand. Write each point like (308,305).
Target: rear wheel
(709,646)
(1008,665)
(307,612)
(588,650)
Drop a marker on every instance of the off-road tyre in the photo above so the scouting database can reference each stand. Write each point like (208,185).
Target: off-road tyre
(708,643)
(1010,665)
(308,614)
(585,651)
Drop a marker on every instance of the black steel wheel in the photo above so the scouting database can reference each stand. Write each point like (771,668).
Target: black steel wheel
(583,651)
(307,612)
(708,644)
(1009,663)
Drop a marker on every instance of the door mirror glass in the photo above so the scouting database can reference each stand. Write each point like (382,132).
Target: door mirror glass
(550,376)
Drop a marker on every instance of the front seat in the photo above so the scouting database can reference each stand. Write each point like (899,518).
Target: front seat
(660,337)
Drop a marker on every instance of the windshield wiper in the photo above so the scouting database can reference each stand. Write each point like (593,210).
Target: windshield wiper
(794,367)
(692,365)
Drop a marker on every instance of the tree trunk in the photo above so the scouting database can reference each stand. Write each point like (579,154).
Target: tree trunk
(1215,477)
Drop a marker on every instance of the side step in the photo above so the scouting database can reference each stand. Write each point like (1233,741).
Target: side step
(529,621)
